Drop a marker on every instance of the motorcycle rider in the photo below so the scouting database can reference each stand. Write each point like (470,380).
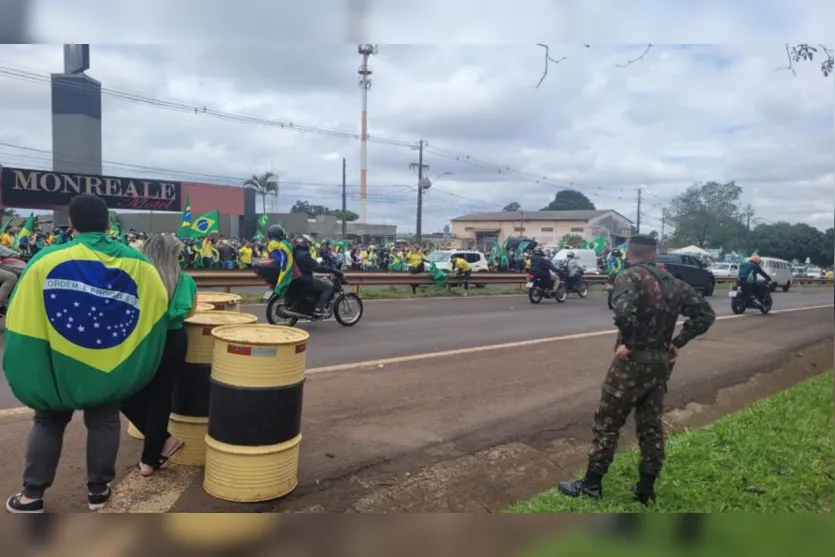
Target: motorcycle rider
(8,280)
(748,272)
(573,267)
(615,264)
(305,265)
(542,267)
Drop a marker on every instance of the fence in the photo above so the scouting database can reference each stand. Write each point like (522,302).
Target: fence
(230,279)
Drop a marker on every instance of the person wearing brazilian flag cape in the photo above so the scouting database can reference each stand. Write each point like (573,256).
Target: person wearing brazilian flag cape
(281,252)
(85,329)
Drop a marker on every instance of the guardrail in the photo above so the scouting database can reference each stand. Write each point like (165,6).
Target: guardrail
(230,279)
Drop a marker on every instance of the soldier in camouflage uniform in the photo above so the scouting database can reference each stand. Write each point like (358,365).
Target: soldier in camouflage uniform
(647,302)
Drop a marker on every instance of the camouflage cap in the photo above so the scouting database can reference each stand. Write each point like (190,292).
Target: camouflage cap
(643,240)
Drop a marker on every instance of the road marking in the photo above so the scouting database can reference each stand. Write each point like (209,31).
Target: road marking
(517,344)
(23,411)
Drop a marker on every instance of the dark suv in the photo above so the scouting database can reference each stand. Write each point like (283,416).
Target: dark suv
(689,269)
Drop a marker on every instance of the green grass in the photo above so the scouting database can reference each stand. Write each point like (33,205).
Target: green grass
(775,455)
(723,535)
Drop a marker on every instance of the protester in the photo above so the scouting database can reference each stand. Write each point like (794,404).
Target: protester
(85,330)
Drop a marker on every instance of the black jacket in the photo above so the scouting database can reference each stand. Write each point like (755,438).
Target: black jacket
(306,264)
(542,264)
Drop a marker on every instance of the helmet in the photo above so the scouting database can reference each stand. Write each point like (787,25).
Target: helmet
(537,250)
(569,255)
(755,259)
(615,253)
(276,232)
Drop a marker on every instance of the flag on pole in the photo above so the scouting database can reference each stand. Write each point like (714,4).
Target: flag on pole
(205,225)
(264,220)
(28,227)
(598,244)
(185,225)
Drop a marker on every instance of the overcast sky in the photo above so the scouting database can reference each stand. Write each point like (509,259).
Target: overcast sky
(679,115)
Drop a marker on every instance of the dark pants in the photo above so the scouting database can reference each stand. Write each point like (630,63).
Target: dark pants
(312,285)
(207,262)
(47,439)
(150,408)
(465,278)
(631,385)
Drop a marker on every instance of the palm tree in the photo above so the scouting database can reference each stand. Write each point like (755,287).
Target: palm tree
(266,183)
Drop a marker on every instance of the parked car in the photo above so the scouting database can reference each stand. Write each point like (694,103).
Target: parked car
(586,257)
(725,270)
(441,259)
(814,272)
(689,269)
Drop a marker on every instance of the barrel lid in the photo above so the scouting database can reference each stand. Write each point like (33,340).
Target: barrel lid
(216,297)
(259,334)
(204,307)
(221,318)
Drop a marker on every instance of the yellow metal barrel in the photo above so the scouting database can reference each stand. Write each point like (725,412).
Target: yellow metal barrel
(219,531)
(252,445)
(219,300)
(202,306)
(134,432)
(190,402)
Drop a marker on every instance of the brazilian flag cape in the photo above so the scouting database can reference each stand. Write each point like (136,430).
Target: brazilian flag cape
(86,325)
(282,253)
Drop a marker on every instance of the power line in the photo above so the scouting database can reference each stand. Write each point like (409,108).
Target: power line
(136,98)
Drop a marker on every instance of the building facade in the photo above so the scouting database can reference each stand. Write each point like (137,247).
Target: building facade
(482,230)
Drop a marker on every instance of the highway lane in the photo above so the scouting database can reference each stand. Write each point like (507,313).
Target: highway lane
(406,327)
(393,328)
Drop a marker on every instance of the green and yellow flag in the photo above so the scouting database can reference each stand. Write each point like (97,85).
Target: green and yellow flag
(185,225)
(86,325)
(28,227)
(205,225)
(263,220)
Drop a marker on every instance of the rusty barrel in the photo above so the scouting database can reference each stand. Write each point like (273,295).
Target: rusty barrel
(190,402)
(252,446)
(220,300)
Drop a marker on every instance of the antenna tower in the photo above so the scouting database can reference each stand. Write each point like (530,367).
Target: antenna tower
(364,71)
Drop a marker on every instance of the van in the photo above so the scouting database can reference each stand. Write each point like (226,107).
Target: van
(586,257)
(780,272)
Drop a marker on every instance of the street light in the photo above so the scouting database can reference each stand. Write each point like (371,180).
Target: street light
(423,185)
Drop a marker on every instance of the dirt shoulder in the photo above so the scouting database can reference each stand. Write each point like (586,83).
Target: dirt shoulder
(477,432)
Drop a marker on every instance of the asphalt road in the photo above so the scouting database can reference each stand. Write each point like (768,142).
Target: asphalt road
(394,328)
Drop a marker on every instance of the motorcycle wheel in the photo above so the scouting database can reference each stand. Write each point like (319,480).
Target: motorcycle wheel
(738,306)
(609,301)
(561,294)
(583,289)
(535,294)
(766,304)
(338,305)
(274,316)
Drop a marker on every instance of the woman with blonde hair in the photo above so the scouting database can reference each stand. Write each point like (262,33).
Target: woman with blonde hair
(150,408)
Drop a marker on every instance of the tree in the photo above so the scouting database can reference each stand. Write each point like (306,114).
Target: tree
(570,200)
(806,53)
(571,241)
(792,241)
(511,207)
(828,247)
(266,183)
(314,211)
(707,215)
(654,235)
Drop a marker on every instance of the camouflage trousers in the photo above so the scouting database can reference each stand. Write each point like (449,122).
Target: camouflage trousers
(631,385)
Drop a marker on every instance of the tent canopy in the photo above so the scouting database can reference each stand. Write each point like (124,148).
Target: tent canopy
(692,250)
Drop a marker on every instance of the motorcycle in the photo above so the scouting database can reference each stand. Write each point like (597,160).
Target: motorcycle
(610,289)
(10,261)
(577,285)
(536,292)
(740,302)
(345,307)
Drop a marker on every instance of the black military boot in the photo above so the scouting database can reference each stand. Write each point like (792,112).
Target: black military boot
(590,486)
(644,490)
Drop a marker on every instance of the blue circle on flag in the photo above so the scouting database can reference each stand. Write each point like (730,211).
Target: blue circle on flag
(91,305)
(202,225)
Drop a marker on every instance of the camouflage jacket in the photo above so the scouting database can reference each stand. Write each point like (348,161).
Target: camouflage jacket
(647,302)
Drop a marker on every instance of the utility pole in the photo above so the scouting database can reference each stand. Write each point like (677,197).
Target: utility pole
(663,222)
(423,185)
(344,199)
(638,222)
